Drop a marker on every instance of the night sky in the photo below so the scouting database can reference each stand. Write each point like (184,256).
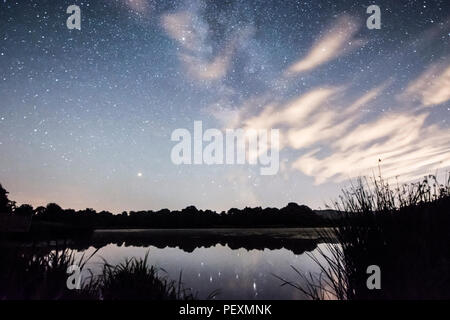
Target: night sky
(86,115)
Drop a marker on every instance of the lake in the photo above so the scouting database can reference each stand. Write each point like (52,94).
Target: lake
(238,263)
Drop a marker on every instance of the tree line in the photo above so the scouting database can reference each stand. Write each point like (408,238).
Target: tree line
(292,215)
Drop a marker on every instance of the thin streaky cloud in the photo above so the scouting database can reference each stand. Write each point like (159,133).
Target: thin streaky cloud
(405,145)
(431,88)
(337,41)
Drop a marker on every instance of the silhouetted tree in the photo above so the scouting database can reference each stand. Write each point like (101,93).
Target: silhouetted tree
(52,212)
(39,210)
(6,205)
(24,210)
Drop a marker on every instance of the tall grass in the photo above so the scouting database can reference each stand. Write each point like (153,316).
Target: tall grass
(27,274)
(134,280)
(403,229)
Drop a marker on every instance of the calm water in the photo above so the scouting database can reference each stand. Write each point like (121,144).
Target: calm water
(238,273)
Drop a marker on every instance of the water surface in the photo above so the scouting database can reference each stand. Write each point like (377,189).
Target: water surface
(237,273)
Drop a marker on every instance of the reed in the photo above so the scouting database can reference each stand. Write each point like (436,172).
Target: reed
(29,274)
(403,229)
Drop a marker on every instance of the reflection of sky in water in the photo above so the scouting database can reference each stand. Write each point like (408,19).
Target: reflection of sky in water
(238,274)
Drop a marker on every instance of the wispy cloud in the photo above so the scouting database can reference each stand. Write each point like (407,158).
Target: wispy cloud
(292,112)
(328,133)
(336,142)
(201,60)
(205,70)
(187,29)
(432,87)
(337,41)
(406,147)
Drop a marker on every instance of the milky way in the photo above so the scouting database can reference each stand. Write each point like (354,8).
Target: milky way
(86,115)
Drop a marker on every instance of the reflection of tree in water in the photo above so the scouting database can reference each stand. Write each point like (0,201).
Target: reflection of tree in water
(189,243)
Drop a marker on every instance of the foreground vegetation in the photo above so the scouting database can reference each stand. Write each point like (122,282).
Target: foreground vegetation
(405,230)
(29,274)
